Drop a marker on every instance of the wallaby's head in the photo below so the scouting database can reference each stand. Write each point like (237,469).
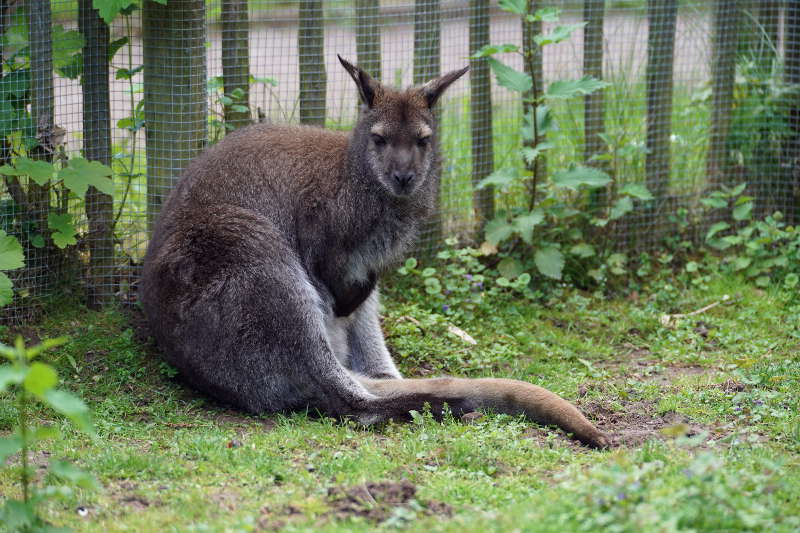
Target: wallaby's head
(396,130)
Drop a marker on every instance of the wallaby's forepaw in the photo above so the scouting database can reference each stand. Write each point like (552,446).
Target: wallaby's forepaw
(598,440)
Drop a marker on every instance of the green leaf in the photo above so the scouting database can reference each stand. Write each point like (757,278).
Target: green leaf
(563,89)
(70,406)
(40,379)
(620,208)
(582,250)
(509,268)
(68,471)
(411,263)
(518,7)
(39,171)
(762,281)
(501,178)
(714,202)
(63,230)
(11,255)
(739,189)
(491,49)
(524,224)
(549,261)
(559,33)
(46,344)
(9,446)
(16,83)
(509,78)
(109,9)
(66,44)
(743,211)
(80,174)
(6,289)
(37,241)
(636,190)
(716,228)
(546,14)
(741,262)
(579,175)
(498,230)
(530,154)
(10,375)
(17,515)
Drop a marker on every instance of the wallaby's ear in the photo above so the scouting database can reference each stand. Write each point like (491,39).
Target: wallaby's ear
(434,88)
(366,85)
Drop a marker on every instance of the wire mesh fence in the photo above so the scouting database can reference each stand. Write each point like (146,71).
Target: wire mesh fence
(701,94)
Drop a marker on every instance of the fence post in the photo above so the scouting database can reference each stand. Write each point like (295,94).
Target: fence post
(368,37)
(662,18)
(480,93)
(533,66)
(175,105)
(97,147)
(789,191)
(42,112)
(235,60)
(427,65)
(724,39)
(311,51)
(593,109)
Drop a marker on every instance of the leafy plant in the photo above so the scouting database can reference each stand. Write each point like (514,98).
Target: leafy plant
(31,380)
(549,225)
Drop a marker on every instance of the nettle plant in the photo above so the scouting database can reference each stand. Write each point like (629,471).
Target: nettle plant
(764,251)
(548,223)
(30,381)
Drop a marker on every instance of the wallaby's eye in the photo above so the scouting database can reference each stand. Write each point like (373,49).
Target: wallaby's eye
(378,140)
(423,141)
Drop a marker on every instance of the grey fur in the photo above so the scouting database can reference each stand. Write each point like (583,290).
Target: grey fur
(259,281)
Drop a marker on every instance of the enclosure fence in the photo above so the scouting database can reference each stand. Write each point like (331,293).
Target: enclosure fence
(700,95)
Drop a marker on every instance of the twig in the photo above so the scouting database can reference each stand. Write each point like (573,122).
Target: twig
(668,320)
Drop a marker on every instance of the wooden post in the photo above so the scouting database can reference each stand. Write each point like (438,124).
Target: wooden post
(236,60)
(726,14)
(311,49)
(368,37)
(174,91)
(593,110)
(481,113)
(97,147)
(788,191)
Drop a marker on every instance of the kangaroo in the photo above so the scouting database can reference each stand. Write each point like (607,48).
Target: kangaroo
(259,282)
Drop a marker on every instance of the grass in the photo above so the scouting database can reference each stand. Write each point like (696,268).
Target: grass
(706,413)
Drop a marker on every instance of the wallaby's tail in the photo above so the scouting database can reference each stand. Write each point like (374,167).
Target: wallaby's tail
(398,396)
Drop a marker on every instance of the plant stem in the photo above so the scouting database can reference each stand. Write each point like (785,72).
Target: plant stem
(129,34)
(23,432)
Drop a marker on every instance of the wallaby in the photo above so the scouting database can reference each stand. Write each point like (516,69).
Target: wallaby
(259,282)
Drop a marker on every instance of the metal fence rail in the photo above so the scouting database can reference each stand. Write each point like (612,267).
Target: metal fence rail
(702,94)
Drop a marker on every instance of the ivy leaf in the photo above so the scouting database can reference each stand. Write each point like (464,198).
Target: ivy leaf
(518,7)
(509,78)
(559,33)
(498,230)
(636,190)
(64,231)
(491,49)
(109,9)
(11,256)
(70,406)
(502,178)
(80,174)
(579,175)
(620,208)
(524,224)
(549,261)
(563,89)
(40,379)
(582,250)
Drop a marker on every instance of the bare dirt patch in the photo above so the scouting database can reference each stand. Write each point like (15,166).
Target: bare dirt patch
(373,501)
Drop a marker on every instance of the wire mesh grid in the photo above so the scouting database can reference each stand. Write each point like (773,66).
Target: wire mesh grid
(701,94)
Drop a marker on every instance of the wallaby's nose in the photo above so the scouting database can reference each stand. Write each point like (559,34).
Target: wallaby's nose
(403,178)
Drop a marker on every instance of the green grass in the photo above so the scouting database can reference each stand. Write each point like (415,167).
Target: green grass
(170,460)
